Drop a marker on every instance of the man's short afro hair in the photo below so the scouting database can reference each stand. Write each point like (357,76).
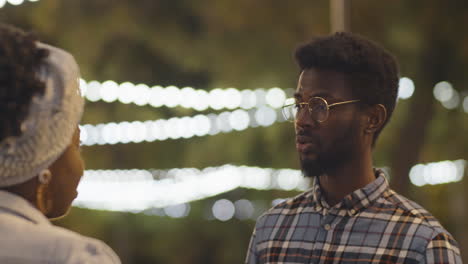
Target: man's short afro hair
(372,70)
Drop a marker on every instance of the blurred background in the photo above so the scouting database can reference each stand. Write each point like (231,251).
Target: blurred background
(183,137)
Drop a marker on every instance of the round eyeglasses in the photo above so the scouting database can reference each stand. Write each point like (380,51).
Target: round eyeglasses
(318,108)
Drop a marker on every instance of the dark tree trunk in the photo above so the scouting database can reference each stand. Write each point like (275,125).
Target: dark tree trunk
(410,141)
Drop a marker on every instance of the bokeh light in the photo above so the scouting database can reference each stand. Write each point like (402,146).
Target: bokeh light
(15,2)
(142,97)
(447,95)
(178,210)
(109,91)
(453,102)
(126,92)
(465,104)
(231,98)
(249,99)
(275,97)
(244,209)
(223,210)
(163,188)
(239,120)
(406,88)
(437,172)
(175,128)
(265,116)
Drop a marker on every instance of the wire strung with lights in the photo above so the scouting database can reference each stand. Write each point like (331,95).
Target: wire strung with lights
(263,111)
(221,210)
(187,97)
(138,190)
(230,98)
(169,192)
(197,99)
(175,128)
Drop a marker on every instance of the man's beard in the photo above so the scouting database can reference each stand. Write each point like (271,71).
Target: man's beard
(341,151)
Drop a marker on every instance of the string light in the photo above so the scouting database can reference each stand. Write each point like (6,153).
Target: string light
(200,100)
(137,190)
(406,88)
(187,97)
(266,114)
(437,172)
(244,209)
(231,98)
(14,2)
(465,104)
(172,190)
(221,210)
(446,95)
(175,128)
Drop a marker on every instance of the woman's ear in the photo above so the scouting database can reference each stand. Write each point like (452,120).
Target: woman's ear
(376,117)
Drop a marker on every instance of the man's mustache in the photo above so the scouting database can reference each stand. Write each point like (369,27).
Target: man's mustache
(303,136)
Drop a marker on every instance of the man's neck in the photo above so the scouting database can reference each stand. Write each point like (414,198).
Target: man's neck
(338,183)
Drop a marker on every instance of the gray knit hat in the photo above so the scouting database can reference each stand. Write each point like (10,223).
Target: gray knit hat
(52,119)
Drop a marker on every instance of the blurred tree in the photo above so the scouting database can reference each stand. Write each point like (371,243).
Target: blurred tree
(424,37)
(247,44)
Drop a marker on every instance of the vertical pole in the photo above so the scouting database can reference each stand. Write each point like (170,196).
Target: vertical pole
(340,15)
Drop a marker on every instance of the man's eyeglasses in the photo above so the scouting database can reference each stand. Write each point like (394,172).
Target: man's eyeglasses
(318,108)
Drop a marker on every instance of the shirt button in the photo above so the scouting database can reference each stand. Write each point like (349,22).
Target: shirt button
(327,227)
(352,211)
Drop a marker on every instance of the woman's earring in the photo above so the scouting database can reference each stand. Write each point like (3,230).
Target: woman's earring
(43,201)
(45,176)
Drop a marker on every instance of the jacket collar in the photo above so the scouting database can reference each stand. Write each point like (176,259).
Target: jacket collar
(18,206)
(355,201)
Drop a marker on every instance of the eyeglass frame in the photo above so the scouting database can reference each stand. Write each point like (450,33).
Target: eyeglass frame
(326,103)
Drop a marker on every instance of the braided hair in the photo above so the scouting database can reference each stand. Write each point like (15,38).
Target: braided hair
(20,59)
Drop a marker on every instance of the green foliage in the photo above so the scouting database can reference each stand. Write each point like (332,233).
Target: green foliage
(247,44)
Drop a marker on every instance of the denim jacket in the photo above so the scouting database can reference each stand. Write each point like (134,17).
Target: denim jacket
(27,236)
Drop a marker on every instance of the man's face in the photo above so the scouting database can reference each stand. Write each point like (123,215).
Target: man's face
(325,146)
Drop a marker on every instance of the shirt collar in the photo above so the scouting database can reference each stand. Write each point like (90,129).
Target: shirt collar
(18,206)
(355,201)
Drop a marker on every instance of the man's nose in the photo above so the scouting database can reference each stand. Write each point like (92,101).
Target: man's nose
(303,118)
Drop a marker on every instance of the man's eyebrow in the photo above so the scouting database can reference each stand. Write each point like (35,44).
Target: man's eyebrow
(323,95)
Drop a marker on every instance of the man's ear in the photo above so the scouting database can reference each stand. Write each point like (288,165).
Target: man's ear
(376,117)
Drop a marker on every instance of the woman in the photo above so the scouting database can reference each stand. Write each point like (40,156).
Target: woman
(40,163)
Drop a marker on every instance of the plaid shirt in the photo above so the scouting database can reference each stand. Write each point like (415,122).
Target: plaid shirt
(371,225)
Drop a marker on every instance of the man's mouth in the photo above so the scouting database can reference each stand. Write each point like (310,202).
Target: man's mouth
(305,147)
(305,144)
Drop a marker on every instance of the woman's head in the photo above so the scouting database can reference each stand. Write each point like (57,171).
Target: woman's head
(19,61)
(40,108)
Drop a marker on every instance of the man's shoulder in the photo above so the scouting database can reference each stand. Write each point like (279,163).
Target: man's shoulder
(404,209)
(288,207)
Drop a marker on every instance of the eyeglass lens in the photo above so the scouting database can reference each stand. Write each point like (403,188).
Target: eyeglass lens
(317,108)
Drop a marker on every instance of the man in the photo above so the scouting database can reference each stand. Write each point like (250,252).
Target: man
(346,94)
